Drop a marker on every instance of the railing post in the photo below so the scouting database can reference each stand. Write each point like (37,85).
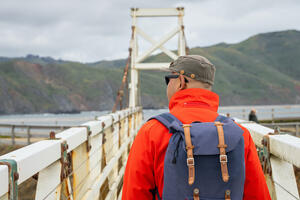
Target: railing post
(273,115)
(13,135)
(244,114)
(13,178)
(28,135)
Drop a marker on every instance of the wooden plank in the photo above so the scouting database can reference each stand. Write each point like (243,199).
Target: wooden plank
(112,194)
(284,179)
(106,171)
(257,131)
(111,148)
(35,157)
(95,127)
(111,144)
(286,147)
(48,185)
(4,179)
(73,136)
(95,156)
(124,136)
(81,167)
(157,12)
(147,37)
(86,165)
(116,135)
(113,175)
(152,66)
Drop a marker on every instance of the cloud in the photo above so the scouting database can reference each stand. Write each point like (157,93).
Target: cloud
(233,21)
(94,30)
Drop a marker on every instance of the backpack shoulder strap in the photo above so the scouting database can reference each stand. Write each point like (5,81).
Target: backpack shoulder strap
(221,118)
(169,121)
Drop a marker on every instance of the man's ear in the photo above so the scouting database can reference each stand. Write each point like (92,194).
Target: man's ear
(182,82)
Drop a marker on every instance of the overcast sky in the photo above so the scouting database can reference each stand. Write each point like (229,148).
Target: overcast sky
(94,30)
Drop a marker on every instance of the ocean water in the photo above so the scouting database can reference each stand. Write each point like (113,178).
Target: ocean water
(51,119)
(263,112)
(242,112)
(45,119)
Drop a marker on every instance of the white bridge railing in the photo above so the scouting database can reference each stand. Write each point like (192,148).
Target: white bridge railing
(279,154)
(84,162)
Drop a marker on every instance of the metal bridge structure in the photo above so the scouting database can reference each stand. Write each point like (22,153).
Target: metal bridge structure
(88,161)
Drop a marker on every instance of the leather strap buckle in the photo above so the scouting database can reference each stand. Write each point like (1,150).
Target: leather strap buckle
(190,161)
(223,158)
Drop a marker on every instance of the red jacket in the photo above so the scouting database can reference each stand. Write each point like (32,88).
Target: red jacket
(145,165)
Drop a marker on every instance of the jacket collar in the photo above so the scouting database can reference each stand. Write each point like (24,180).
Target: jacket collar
(195,98)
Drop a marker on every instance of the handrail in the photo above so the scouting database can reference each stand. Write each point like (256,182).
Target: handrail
(279,154)
(77,158)
(27,133)
(287,106)
(34,126)
(283,126)
(268,112)
(265,112)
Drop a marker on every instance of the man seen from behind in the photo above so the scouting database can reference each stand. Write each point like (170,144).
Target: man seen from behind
(191,100)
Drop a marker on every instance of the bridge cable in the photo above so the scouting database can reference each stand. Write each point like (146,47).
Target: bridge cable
(124,79)
(187,49)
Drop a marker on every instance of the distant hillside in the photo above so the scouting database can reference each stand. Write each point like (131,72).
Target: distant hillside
(27,87)
(263,69)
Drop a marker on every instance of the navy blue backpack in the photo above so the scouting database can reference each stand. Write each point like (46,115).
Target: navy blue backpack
(203,160)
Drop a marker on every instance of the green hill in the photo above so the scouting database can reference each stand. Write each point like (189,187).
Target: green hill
(69,87)
(263,69)
(27,87)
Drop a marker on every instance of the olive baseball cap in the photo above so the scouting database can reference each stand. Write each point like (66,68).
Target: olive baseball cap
(195,67)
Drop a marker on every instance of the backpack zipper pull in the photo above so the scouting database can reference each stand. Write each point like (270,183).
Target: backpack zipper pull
(227,195)
(196,194)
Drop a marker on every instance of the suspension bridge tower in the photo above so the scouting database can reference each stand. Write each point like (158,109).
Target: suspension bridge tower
(137,57)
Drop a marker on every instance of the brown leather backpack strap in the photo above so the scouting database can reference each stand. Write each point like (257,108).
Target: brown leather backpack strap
(189,151)
(227,195)
(222,146)
(196,194)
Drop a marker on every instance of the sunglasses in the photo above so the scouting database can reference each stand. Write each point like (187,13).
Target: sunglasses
(168,77)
